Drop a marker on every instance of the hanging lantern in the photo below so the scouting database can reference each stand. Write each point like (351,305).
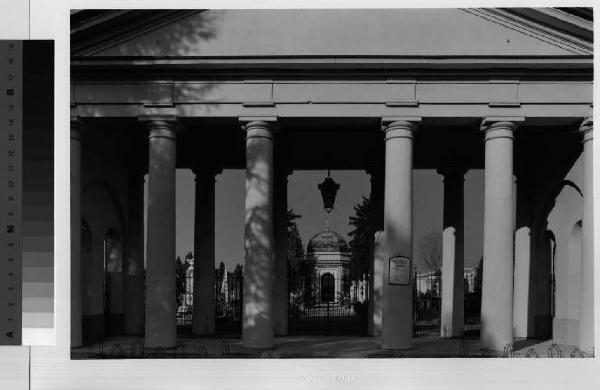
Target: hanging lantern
(329,189)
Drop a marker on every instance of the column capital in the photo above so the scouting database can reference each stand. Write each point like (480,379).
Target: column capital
(162,126)
(500,126)
(400,127)
(586,129)
(263,126)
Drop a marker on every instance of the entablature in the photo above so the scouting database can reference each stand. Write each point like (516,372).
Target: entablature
(334,98)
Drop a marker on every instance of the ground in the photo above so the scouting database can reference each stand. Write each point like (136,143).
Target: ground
(320,347)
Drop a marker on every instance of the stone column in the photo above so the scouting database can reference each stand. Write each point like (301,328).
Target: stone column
(134,265)
(76,290)
(376,286)
(498,239)
(161,304)
(257,321)
(280,283)
(398,298)
(453,264)
(522,313)
(376,267)
(203,315)
(586,317)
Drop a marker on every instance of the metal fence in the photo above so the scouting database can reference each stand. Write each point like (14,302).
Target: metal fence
(472,314)
(228,306)
(426,315)
(327,318)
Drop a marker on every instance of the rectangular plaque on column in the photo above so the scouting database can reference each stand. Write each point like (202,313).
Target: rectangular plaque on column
(399,270)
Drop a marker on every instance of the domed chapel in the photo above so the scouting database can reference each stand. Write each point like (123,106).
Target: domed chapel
(330,255)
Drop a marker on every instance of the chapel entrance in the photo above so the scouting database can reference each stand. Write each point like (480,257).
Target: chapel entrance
(327,287)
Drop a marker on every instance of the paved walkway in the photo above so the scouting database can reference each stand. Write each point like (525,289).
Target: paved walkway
(320,347)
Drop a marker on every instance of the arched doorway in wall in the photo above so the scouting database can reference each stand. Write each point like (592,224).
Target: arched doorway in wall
(549,299)
(102,210)
(327,287)
(113,282)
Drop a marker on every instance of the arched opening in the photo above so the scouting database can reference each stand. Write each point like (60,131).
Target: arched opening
(113,283)
(327,287)
(559,260)
(103,301)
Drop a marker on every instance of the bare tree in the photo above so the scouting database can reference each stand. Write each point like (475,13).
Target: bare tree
(429,249)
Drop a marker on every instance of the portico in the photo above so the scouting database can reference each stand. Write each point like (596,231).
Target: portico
(396,114)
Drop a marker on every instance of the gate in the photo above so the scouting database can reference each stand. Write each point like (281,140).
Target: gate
(426,315)
(472,314)
(327,318)
(229,304)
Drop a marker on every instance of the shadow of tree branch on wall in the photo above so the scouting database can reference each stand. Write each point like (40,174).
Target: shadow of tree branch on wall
(180,38)
(152,83)
(259,245)
(140,32)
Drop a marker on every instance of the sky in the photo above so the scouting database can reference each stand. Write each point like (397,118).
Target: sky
(305,199)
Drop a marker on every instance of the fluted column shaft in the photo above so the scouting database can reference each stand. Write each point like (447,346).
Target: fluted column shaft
(257,321)
(76,289)
(203,315)
(161,304)
(398,298)
(452,322)
(586,317)
(498,239)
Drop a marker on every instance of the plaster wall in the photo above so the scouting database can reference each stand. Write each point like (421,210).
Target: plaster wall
(562,220)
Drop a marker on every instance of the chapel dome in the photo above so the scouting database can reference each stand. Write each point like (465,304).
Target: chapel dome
(327,241)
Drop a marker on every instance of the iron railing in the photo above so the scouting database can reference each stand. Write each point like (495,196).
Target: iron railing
(330,318)
(327,318)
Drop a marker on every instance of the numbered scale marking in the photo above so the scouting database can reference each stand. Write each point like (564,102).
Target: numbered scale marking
(11,132)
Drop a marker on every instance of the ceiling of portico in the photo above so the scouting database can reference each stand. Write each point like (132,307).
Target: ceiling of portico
(333,33)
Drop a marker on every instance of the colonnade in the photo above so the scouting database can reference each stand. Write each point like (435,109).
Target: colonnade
(264,306)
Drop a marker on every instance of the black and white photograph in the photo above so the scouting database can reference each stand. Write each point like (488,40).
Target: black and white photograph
(325,194)
(331,183)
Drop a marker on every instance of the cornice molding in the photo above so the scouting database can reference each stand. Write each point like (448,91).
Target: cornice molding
(114,27)
(315,64)
(534,23)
